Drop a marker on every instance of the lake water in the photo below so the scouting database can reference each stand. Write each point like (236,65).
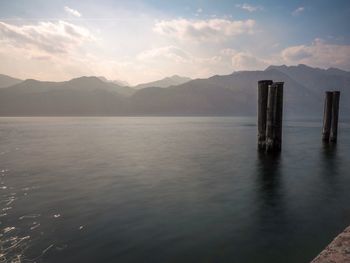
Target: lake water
(160,189)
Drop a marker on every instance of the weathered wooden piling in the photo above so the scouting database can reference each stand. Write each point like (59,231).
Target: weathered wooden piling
(278,115)
(327,116)
(270,113)
(335,115)
(263,87)
(270,118)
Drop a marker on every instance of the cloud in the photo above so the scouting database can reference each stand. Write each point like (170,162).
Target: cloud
(72,11)
(250,8)
(46,50)
(170,60)
(44,37)
(174,54)
(168,52)
(204,30)
(228,52)
(318,54)
(298,11)
(296,53)
(247,61)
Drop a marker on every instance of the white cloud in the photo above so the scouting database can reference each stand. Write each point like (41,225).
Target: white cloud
(250,8)
(204,30)
(296,53)
(199,10)
(174,54)
(58,67)
(44,50)
(72,11)
(228,52)
(298,11)
(247,61)
(168,52)
(318,54)
(170,60)
(45,37)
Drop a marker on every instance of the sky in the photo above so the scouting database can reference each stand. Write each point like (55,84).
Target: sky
(144,40)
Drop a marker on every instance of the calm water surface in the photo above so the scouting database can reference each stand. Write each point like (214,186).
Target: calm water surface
(167,190)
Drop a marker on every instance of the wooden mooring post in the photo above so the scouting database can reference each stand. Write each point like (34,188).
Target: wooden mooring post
(335,115)
(274,117)
(327,116)
(330,116)
(270,114)
(279,115)
(270,122)
(263,88)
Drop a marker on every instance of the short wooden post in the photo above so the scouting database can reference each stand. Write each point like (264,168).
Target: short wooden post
(279,115)
(263,87)
(271,114)
(335,115)
(327,116)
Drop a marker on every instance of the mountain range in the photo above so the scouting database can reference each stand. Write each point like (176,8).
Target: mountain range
(234,94)
(116,81)
(6,81)
(164,83)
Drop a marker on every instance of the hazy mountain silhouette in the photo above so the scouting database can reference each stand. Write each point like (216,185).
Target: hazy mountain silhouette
(164,83)
(234,94)
(116,81)
(80,96)
(319,80)
(77,84)
(6,81)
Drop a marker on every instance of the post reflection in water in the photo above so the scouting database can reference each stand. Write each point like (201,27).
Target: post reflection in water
(329,171)
(329,159)
(271,215)
(269,180)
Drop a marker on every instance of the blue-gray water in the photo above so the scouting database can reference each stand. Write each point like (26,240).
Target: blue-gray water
(168,190)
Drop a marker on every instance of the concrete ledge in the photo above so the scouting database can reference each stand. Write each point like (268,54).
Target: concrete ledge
(338,251)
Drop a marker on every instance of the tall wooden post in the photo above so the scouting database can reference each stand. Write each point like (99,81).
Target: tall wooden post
(271,114)
(327,116)
(263,87)
(335,115)
(279,115)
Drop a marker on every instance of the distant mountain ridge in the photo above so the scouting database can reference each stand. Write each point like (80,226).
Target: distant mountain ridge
(118,82)
(82,84)
(165,82)
(234,94)
(6,81)
(79,96)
